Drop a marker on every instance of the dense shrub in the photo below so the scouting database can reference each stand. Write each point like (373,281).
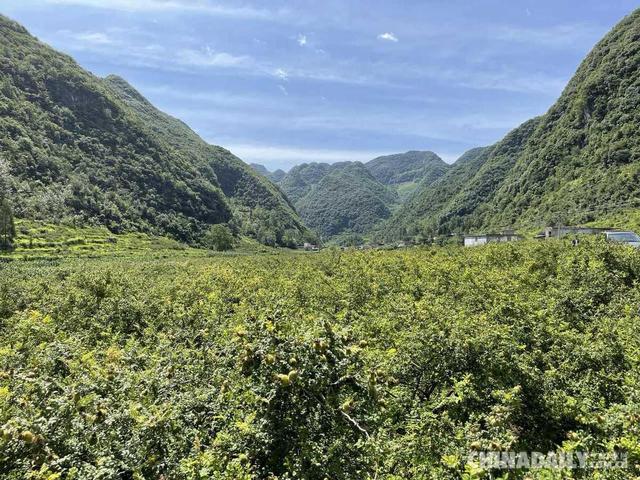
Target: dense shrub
(341,365)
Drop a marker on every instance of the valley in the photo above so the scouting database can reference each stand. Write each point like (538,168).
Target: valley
(169,310)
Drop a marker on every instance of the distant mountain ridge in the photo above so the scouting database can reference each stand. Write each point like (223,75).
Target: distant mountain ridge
(352,197)
(412,166)
(94,151)
(274,176)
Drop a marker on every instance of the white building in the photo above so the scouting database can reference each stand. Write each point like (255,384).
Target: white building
(477,240)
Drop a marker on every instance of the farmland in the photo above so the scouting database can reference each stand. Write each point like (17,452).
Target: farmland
(341,365)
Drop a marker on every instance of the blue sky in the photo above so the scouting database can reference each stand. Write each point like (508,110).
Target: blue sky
(286,82)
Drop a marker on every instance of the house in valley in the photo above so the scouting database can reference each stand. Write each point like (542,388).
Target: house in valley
(483,239)
(560,232)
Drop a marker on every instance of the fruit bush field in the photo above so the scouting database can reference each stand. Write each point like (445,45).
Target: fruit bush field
(340,365)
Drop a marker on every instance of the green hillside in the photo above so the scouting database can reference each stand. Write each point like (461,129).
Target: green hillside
(431,199)
(274,176)
(347,199)
(93,152)
(407,167)
(351,197)
(405,172)
(341,198)
(259,208)
(300,179)
(578,163)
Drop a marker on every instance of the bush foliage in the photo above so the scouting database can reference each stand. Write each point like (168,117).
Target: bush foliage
(342,365)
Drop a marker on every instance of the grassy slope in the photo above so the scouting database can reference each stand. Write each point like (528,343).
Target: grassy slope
(40,240)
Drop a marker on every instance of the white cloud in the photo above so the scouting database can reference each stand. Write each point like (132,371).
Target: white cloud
(283,90)
(210,58)
(194,6)
(388,36)
(281,74)
(302,40)
(538,83)
(97,38)
(218,98)
(558,36)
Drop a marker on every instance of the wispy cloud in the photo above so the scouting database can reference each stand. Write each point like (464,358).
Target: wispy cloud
(210,58)
(558,36)
(97,38)
(281,73)
(535,83)
(302,40)
(188,6)
(213,98)
(388,36)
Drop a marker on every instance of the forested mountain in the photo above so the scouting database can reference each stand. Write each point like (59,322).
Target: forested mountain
(432,198)
(302,178)
(94,151)
(274,176)
(338,198)
(347,199)
(578,163)
(407,167)
(351,197)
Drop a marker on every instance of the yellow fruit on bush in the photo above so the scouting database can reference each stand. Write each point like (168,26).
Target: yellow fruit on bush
(284,379)
(270,359)
(28,437)
(293,361)
(347,405)
(293,375)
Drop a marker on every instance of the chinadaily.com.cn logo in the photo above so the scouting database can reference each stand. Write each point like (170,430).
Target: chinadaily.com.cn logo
(507,460)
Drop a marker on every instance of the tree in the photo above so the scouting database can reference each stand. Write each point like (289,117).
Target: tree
(7,225)
(5,178)
(219,238)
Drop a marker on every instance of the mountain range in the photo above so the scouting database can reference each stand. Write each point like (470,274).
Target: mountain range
(87,150)
(578,163)
(347,198)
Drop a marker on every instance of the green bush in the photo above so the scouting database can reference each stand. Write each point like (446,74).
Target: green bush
(341,365)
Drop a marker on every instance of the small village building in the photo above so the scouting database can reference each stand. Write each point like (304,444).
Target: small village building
(560,232)
(310,247)
(483,239)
